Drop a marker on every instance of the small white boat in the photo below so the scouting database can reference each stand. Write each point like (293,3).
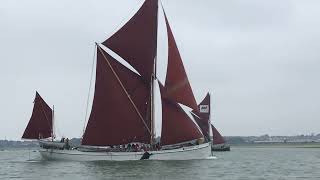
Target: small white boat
(47,144)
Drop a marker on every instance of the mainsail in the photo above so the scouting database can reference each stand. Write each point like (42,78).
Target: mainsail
(114,119)
(40,123)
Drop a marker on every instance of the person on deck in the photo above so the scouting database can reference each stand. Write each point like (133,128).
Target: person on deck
(67,145)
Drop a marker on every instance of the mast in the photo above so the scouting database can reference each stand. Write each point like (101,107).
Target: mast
(209,120)
(52,130)
(152,110)
(153,78)
(209,125)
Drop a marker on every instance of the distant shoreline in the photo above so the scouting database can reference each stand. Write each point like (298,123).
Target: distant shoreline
(278,145)
(264,141)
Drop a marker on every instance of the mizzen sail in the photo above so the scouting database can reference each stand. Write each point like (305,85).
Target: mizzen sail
(40,123)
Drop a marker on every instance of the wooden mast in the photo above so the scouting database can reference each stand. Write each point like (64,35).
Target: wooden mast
(52,130)
(209,126)
(152,111)
(153,78)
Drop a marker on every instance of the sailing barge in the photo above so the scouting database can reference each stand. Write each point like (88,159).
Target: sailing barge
(123,108)
(211,134)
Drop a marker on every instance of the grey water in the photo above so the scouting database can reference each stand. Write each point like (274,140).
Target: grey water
(240,163)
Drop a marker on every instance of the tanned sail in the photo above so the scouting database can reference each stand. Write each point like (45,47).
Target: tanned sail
(116,117)
(202,116)
(40,123)
(136,41)
(217,138)
(121,111)
(177,84)
(177,127)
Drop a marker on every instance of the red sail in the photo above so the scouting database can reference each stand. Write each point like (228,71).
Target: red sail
(177,84)
(135,86)
(177,127)
(202,116)
(113,119)
(136,41)
(202,119)
(217,138)
(204,108)
(204,126)
(40,123)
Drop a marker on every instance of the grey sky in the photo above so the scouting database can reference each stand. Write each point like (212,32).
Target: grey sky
(260,60)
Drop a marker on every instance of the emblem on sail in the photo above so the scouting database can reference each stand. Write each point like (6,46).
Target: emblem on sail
(204,108)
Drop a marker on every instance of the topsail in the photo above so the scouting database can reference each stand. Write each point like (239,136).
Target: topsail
(136,41)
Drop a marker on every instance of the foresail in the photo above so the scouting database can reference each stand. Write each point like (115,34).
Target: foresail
(136,41)
(177,84)
(114,120)
(202,116)
(177,127)
(40,123)
(204,126)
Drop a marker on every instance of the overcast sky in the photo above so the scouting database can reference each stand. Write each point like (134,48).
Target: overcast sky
(259,59)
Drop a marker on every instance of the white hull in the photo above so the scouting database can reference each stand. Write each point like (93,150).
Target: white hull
(202,151)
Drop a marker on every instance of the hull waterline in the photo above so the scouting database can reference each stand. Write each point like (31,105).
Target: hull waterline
(186,153)
(220,147)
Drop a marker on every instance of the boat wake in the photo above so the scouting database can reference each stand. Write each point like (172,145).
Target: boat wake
(33,160)
(211,157)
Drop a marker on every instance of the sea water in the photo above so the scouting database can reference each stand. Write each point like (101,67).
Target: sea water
(240,163)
